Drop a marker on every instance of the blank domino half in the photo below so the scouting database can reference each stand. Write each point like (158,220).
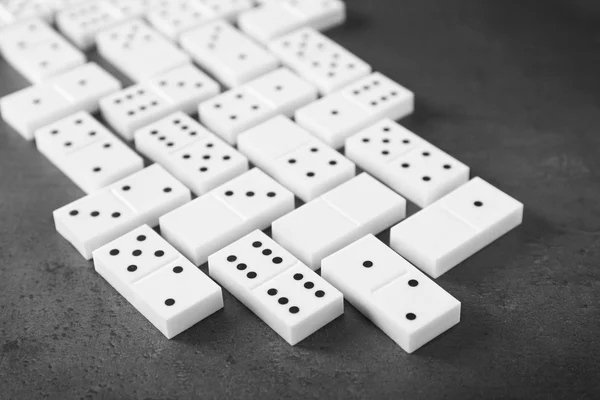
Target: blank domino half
(212,221)
(357,207)
(158,281)
(295,158)
(401,300)
(455,227)
(287,295)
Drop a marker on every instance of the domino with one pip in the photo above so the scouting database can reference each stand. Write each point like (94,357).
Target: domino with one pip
(456,226)
(287,295)
(402,301)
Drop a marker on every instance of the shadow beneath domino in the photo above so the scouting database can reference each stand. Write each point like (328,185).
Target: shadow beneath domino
(332,338)
(427,113)
(464,342)
(507,262)
(355,20)
(207,332)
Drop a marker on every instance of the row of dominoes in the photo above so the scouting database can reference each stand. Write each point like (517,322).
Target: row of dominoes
(256,111)
(323,233)
(82,22)
(358,109)
(165,72)
(88,16)
(141,51)
(87,23)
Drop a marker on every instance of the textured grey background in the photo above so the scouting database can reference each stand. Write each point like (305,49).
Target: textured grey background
(509,88)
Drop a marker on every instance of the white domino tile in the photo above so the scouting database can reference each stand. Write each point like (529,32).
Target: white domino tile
(357,207)
(134,8)
(287,295)
(295,158)
(3,21)
(455,227)
(81,22)
(227,54)
(139,51)
(341,114)
(37,51)
(210,222)
(88,153)
(158,281)
(98,218)
(174,17)
(402,301)
(180,89)
(319,60)
(194,155)
(275,19)
(226,9)
(79,89)
(416,169)
(17,10)
(137,8)
(239,109)
(24,34)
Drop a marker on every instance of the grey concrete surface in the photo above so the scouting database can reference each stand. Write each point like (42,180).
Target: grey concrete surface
(510,88)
